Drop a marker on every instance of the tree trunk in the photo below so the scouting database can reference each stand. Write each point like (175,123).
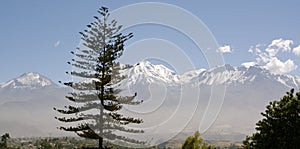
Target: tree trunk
(101,128)
(100,142)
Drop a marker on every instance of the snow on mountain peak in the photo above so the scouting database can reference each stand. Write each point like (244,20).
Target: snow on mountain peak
(161,69)
(28,80)
(31,78)
(150,73)
(146,72)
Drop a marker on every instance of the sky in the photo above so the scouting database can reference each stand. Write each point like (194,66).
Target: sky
(37,36)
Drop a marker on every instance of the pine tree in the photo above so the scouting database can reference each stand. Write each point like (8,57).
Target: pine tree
(280,127)
(96,87)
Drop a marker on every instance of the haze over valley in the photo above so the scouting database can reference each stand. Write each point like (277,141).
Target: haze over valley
(27,101)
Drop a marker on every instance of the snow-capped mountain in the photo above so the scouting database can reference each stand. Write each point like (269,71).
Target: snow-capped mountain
(26,105)
(241,75)
(28,80)
(144,72)
(163,91)
(170,99)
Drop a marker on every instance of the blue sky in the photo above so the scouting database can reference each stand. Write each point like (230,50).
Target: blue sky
(37,36)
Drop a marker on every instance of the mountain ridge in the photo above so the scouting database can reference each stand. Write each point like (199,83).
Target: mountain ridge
(149,73)
(162,91)
(29,80)
(152,73)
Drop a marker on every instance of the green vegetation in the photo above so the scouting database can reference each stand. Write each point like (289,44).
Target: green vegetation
(3,143)
(280,127)
(50,143)
(80,143)
(195,142)
(96,66)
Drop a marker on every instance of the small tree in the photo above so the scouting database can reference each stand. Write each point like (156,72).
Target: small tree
(195,142)
(96,94)
(4,138)
(280,127)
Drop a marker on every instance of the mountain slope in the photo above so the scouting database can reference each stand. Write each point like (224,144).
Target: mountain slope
(186,97)
(26,106)
(28,80)
(172,102)
(144,72)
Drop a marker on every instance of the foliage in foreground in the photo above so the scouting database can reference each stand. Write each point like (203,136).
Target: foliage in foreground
(195,142)
(280,127)
(3,142)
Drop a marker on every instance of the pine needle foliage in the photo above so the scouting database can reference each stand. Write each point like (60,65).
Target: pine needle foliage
(96,77)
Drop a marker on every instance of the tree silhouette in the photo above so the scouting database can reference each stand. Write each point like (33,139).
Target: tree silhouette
(280,127)
(3,143)
(96,112)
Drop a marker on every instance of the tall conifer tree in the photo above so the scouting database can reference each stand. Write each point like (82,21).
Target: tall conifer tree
(96,112)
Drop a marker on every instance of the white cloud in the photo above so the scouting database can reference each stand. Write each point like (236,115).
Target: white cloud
(278,45)
(278,67)
(250,50)
(249,64)
(257,50)
(281,44)
(225,49)
(266,56)
(272,51)
(296,50)
(56,44)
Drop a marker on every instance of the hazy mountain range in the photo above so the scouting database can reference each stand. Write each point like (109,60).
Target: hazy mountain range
(26,106)
(172,102)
